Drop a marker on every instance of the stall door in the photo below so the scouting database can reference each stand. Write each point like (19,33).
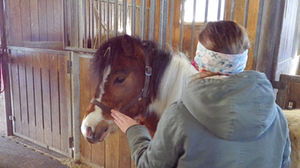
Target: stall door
(41,97)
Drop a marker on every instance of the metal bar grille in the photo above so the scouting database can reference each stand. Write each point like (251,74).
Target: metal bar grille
(163,23)
(142,18)
(124,15)
(133,17)
(246,13)
(171,21)
(206,11)
(152,19)
(181,24)
(116,4)
(232,9)
(193,25)
(100,20)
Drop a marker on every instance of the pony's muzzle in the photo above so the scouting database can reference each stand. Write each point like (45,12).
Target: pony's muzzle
(99,134)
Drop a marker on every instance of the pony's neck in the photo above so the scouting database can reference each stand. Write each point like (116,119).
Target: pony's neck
(176,76)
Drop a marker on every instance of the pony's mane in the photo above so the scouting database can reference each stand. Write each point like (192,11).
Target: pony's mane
(104,57)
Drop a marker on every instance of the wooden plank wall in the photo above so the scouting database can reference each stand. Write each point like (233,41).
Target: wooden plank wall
(41,97)
(113,152)
(35,20)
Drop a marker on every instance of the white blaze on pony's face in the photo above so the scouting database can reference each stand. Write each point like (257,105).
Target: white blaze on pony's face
(118,67)
(95,119)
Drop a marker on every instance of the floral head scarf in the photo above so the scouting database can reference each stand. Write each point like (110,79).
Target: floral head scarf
(227,64)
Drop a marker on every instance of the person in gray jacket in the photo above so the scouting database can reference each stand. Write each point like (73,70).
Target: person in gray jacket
(227,118)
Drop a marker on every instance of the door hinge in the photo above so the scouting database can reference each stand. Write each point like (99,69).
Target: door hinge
(12,118)
(71,142)
(69,66)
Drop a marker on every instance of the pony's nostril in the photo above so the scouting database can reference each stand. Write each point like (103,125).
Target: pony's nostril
(89,132)
(88,129)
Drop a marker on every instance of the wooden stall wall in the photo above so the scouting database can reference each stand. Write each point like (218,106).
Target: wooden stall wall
(114,151)
(35,23)
(41,97)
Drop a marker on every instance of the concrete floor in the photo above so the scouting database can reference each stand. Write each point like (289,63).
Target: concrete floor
(16,152)
(2,116)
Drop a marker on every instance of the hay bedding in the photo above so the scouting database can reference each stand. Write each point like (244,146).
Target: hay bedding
(293,117)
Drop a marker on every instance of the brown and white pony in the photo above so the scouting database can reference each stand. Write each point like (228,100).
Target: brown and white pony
(136,77)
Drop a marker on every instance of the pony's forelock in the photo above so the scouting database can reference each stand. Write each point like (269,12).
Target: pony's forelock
(105,56)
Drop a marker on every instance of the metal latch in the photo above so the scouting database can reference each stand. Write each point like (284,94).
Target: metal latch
(11,118)
(71,142)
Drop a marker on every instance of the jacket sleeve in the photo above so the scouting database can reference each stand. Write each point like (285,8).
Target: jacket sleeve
(163,151)
(286,161)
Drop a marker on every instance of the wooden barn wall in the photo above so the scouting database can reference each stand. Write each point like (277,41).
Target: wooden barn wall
(114,151)
(40,87)
(32,21)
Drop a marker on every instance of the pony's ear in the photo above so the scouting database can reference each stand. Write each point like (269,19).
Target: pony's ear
(128,46)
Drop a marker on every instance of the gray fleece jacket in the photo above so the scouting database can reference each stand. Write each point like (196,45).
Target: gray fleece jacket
(229,122)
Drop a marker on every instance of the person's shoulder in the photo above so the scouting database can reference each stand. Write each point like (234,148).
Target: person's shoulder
(175,113)
(175,107)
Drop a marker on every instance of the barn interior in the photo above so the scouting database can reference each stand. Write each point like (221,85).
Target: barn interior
(47,45)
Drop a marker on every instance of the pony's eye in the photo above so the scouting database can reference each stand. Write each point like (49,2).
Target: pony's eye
(119,80)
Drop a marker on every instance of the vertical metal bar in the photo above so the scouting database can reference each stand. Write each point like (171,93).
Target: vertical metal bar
(171,21)
(152,19)
(193,26)
(232,9)
(120,17)
(85,24)
(71,15)
(116,16)
(246,13)
(181,24)
(65,24)
(142,19)
(124,16)
(219,10)
(133,17)
(80,24)
(206,11)
(92,24)
(258,34)
(164,5)
(107,21)
(75,25)
(99,22)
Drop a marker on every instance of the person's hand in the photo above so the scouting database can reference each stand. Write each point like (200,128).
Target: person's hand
(122,120)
